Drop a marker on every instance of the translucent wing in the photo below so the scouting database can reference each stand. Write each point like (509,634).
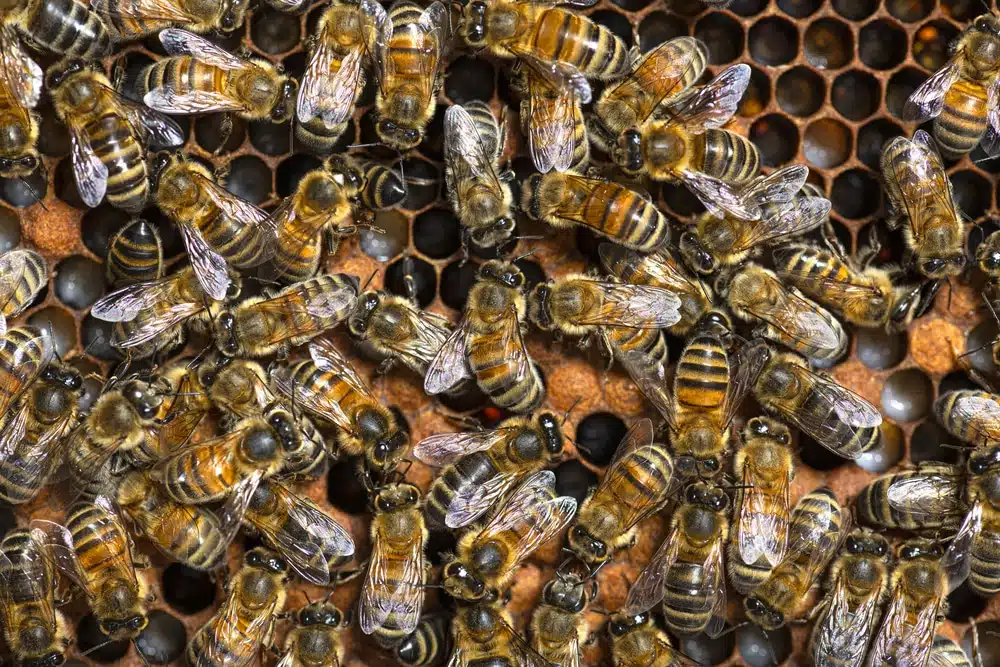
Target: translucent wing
(638,306)
(464,151)
(178,42)
(957,561)
(245,644)
(145,10)
(438,30)
(18,72)
(321,404)
(55,543)
(673,65)
(784,221)
(328,358)
(449,366)
(13,264)
(647,591)
(637,442)
(91,174)
(979,412)
(927,494)
(521,652)
(748,362)
(917,184)
(555,91)
(836,288)
(154,128)
(400,594)
(718,197)
(234,509)
(305,311)
(898,641)
(660,269)
(651,379)
(443,449)
(778,187)
(762,523)
(798,318)
(473,501)
(243,212)
(327,94)
(429,336)
(210,267)
(123,305)
(927,101)
(23,364)
(991,140)
(29,572)
(714,104)
(168,100)
(844,633)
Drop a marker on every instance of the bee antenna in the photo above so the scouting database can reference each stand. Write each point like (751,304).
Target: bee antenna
(370,279)
(527,254)
(34,195)
(566,414)
(306,596)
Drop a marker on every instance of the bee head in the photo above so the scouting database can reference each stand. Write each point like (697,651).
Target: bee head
(461,583)
(494,233)
(628,155)
(358,322)
(762,614)
(123,628)
(398,136)
(57,76)
(622,624)
(988,254)
(591,549)
(915,549)
(566,592)
(262,559)
(288,434)
(320,614)
(233,13)
(864,542)
(695,254)
(226,335)
(21,166)
(983,459)
(763,427)
(51,659)
(942,267)
(475,23)
(504,273)
(157,166)
(540,306)
(396,496)
(912,304)
(552,432)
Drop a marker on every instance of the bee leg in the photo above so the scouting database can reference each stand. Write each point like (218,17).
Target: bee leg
(387,364)
(141,561)
(349,575)
(871,250)
(833,243)
(118,73)
(225,131)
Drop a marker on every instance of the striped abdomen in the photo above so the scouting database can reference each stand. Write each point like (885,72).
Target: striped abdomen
(811,265)
(188,533)
(319,138)
(969,425)
(412,52)
(329,385)
(135,254)
(240,244)
(99,544)
(25,470)
(688,597)
(20,358)
(984,579)
(71,29)
(849,441)
(648,341)
(963,119)
(468,472)
(726,156)
(496,373)
(648,473)
(183,74)
(195,476)
(112,140)
(298,250)
(429,645)
(27,574)
(618,213)
(400,527)
(33,276)
(564,36)
(702,375)
(234,643)
(819,507)
(486,126)
(746,576)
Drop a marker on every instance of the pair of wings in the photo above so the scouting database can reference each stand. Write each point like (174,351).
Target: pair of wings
(836,290)
(628,305)
(977,413)
(244,631)
(30,571)
(430,332)
(20,77)
(556,92)
(517,650)
(762,521)
(430,35)
(156,301)
(468,158)
(26,361)
(905,643)
(147,11)
(659,269)
(845,631)
(37,454)
(13,265)
(306,309)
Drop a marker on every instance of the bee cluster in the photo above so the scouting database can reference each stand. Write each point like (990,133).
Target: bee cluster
(242,430)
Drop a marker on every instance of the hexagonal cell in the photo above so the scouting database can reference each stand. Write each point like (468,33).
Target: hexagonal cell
(574,479)
(964,604)
(680,200)
(456,280)
(97,645)
(930,442)
(705,650)
(396,236)
(687,7)
(930,44)
(907,395)
(469,79)
(800,91)
(249,178)
(829,44)
(437,233)
(291,171)
(659,27)
(79,281)
(208,133)
(855,194)
(163,640)
(872,137)
(53,137)
(617,23)
(188,590)
(723,35)
(892,247)
(10,229)
(26,191)
(95,335)
(773,41)
(882,44)
(632,5)
(748,7)
(972,193)
(910,11)
(534,274)
(269,138)
(855,10)
(60,323)
(799,9)
(986,636)
(597,437)
(275,32)
(827,143)
(776,138)
(901,85)
(856,94)
(757,95)
(963,11)
(423,181)
(423,275)
(887,453)
(763,648)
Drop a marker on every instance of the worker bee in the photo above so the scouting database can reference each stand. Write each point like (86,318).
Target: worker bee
(715,243)
(558,625)
(971,415)
(409,60)
(150,316)
(946,653)
(67,28)
(484,636)
(315,639)
(24,354)
(430,645)
(36,632)
(334,77)
(689,147)
(94,551)
(636,484)
(108,136)
(23,274)
(244,623)
(20,90)
(857,588)
(481,466)
(961,96)
(393,591)
(764,469)
(637,642)
(606,207)
(928,497)
(661,269)
(784,316)
(278,321)
(129,21)
(658,77)
(833,416)
(818,527)
(552,102)
(135,254)
(687,571)
(473,143)
(185,402)
(487,559)
(922,196)
(487,344)
(328,387)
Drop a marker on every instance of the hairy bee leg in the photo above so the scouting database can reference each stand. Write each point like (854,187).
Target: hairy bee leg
(870,251)
(387,365)
(225,132)
(118,73)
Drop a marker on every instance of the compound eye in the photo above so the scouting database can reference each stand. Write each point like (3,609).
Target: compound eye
(711,464)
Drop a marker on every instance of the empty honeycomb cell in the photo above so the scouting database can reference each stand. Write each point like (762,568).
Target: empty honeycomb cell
(163,640)
(757,95)
(389,241)
(829,44)
(907,395)
(61,325)
(724,37)
(269,138)
(617,23)
(249,178)
(464,398)
(878,349)
(978,344)
(632,5)
(469,79)
(955,381)
(688,7)
(79,281)
(910,11)
(827,143)
(681,200)
(587,242)
(533,272)
(574,479)
(291,171)
(887,453)
(855,10)
(659,27)
(882,44)
(872,137)
(763,648)
(855,194)
(972,193)
(423,183)
(53,137)
(963,604)
(275,32)
(978,157)
(777,139)
(423,274)
(856,95)
(437,233)
(456,280)
(930,44)
(208,133)
(963,11)
(343,488)
(440,544)
(801,91)
(748,7)
(930,442)
(26,191)
(773,41)
(799,9)
(187,590)
(10,229)
(706,650)
(96,645)
(95,336)
(901,85)
(64,182)
(597,437)
(818,457)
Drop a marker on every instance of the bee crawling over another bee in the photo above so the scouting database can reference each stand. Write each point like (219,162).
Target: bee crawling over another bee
(559,624)
(135,254)
(67,28)
(552,115)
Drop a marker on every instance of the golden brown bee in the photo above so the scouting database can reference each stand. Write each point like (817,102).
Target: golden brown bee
(606,207)
(94,551)
(315,639)
(857,588)
(20,90)
(687,571)
(24,354)
(23,274)
(108,136)
(922,197)
(833,416)
(764,469)
(783,315)
(637,642)
(487,559)
(328,387)
(473,144)
(430,645)
(481,466)
(36,632)
(817,528)
(970,415)
(484,636)
(487,344)
(244,623)
(393,591)
(980,524)
(276,322)
(129,21)
(661,269)
(946,653)
(635,485)
(961,96)
(135,254)
(409,63)
(69,28)
(552,102)
(186,402)
(558,625)
(928,497)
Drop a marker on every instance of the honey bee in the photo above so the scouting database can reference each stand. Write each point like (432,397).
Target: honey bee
(328,387)
(637,642)
(219,229)
(988,258)
(552,102)
(606,207)
(24,273)
(764,469)
(689,147)
(186,402)
(315,639)
(392,594)
(24,354)
(636,484)
(487,559)
(922,196)
(135,254)
(661,269)
(276,322)
(833,416)
(925,498)
(66,27)
(659,76)
(36,632)
(473,143)
(980,524)
(784,316)
(687,571)
(946,653)
(483,635)
(817,528)
(481,466)
(558,625)
(244,624)
(715,243)
(970,415)
(858,586)
(20,90)
(94,551)
(334,77)
(129,21)
(409,58)
(108,136)
(430,645)
(487,343)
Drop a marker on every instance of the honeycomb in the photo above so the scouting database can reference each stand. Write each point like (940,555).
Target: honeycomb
(828,83)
